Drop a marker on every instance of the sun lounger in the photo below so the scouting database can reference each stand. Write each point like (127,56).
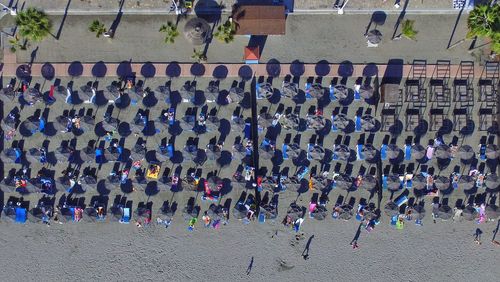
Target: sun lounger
(303,173)
(126,216)
(407,152)
(170,150)
(357,97)
(384,182)
(332,93)
(307,88)
(257,90)
(334,128)
(21,215)
(358,124)
(285,153)
(430,152)
(383,152)
(99,157)
(401,200)
(262,218)
(309,146)
(482,152)
(360,152)
(394,220)
(248,131)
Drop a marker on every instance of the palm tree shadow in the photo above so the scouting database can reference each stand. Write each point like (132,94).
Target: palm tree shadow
(116,21)
(59,31)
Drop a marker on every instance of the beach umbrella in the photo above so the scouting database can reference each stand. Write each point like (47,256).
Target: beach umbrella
(368,123)
(369,213)
(113,91)
(269,211)
(368,182)
(442,183)
(445,212)
(31,124)
(341,121)
(319,213)
(266,153)
(391,209)
(290,121)
(442,152)
(491,211)
(269,183)
(465,152)
(189,183)
(111,154)
(316,91)
(86,91)
(197,31)
(265,91)
(294,150)
(10,155)
(214,183)
(212,92)
(238,123)
(88,182)
(61,123)
(113,181)
(239,151)
(164,89)
(292,183)
(341,92)
(239,211)
(419,182)
(393,182)
(491,181)
(190,152)
(345,212)
(8,93)
(140,182)
(8,184)
(289,89)
(32,95)
(187,91)
(265,120)
(491,151)
(343,182)
(34,155)
(466,182)
(110,124)
(87,154)
(9,123)
(187,123)
(418,151)
(319,182)
(469,213)
(392,151)
(342,152)
(212,123)
(374,36)
(87,123)
(294,211)
(317,152)
(366,91)
(316,122)
(63,153)
(236,93)
(138,152)
(213,152)
(369,152)
(419,211)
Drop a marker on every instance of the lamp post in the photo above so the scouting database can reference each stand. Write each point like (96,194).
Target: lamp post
(341,9)
(11,11)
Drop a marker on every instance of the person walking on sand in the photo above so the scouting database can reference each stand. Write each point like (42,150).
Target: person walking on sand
(477,236)
(250,266)
(356,236)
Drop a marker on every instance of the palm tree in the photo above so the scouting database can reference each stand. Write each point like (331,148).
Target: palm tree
(170,31)
(226,32)
(198,56)
(97,27)
(33,24)
(484,21)
(408,31)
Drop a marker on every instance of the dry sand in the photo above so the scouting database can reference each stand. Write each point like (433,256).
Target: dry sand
(444,251)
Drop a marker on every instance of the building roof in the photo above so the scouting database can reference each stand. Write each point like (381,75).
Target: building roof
(260,20)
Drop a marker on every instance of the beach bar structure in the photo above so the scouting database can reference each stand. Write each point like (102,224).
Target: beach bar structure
(259,19)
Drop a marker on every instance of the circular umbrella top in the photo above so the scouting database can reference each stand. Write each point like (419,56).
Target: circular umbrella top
(32,95)
(342,152)
(445,212)
(341,92)
(196,31)
(419,182)
(345,212)
(393,151)
(343,181)
(465,152)
(290,121)
(374,36)
(442,152)
(492,151)
(110,124)
(469,213)
(492,211)
(366,91)
(238,122)
(442,182)
(419,211)
(187,91)
(294,150)
(266,90)
(341,121)
(391,209)
(393,182)
(418,151)
(316,91)
(491,181)
(237,91)
(368,122)
(369,152)
(316,122)
(265,120)
(212,92)
(9,123)
(368,182)
(317,152)
(466,182)
(319,213)
(289,89)
(31,124)
(319,182)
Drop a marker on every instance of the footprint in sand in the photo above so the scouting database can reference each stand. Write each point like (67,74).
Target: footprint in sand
(283,265)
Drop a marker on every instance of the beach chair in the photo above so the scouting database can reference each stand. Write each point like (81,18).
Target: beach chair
(401,200)
(482,152)
(358,124)
(21,215)
(99,156)
(170,150)
(262,218)
(307,88)
(384,182)
(383,152)
(257,91)
(248,131)
(303,173)
(309,147)
(126,216)
(334,128)
(360,152)
(407,152)
(171,120)
(332,92)
(394,220)
(285,153)
(357,97)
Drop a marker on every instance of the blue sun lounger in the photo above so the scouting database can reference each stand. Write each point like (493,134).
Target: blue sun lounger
(41,125)
(72,210)
(126,216)
(409,184)
(18,155)
(170,150)
(303,174)
(171,122)
(407,152)
(482,152)
(332,93)
(384,182)
(309,146)
(285,153)
(262,217)
(383,152)
(257,88)
(357,97)
(360,152)
(358,124)
(334,128)
(21,215)
(248,131)
(307,88)
(99,157)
